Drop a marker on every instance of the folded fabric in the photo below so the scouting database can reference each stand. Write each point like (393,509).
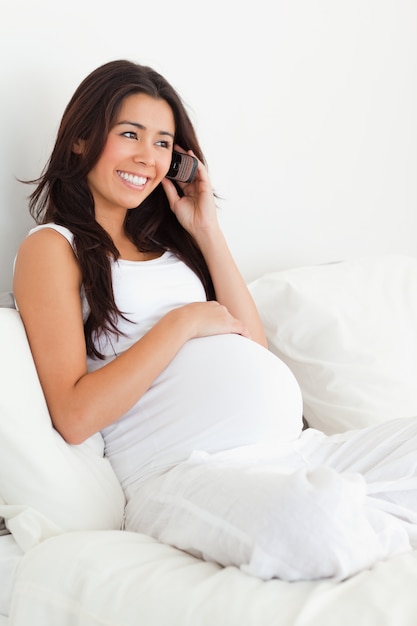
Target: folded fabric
(318,507)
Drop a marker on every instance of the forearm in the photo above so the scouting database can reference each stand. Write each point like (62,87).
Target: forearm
(197,213)
(230,287)
(98,399)
(101,397)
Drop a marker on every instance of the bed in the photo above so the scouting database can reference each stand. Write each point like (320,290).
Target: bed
(348,331)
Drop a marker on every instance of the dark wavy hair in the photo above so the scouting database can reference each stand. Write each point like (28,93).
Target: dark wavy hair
(62,194)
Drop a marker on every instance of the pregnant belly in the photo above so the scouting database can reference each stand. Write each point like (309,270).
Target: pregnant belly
(218,393)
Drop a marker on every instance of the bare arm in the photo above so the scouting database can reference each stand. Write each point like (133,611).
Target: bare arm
(231,290)
(47,290)
(197,213)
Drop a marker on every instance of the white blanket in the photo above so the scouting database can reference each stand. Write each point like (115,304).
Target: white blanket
(319,507)
(118,578)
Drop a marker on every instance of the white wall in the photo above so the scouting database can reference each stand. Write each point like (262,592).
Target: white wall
(307,111)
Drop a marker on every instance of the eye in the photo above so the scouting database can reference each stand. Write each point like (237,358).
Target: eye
(164,144)
(130,134)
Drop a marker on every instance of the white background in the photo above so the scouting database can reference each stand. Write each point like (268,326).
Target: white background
(306,110)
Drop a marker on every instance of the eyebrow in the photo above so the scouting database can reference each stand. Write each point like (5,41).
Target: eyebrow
(142,127)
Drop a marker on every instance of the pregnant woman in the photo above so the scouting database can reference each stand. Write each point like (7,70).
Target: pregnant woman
(142,328)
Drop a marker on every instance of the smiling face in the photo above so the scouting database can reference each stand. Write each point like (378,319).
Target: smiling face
(135,158)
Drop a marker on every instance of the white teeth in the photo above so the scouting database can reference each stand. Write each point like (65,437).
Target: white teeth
(134,180)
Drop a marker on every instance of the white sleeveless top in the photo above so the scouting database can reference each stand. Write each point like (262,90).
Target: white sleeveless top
(219,392)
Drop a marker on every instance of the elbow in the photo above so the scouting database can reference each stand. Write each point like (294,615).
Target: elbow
(73,428)
(74,439)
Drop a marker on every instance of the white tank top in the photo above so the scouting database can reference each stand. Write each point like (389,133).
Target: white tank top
(219,392)
(144,291)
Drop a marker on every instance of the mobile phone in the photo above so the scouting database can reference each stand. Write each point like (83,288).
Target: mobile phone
(183,167)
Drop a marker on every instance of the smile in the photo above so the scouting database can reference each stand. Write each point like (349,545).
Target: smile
(133,179)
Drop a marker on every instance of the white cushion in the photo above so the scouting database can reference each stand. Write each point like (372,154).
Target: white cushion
(68,487)
(348,331)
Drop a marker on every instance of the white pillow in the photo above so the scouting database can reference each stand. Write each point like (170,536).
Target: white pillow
(348,331)
(72,487)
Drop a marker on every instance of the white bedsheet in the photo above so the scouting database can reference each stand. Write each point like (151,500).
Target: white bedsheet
(117,578)
(10,556)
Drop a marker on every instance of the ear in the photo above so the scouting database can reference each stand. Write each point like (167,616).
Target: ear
(78,146)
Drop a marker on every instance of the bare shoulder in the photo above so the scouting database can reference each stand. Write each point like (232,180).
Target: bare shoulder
(45,260)
(46,287)
(43,244)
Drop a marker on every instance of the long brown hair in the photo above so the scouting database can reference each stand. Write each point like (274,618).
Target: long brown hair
(62,195)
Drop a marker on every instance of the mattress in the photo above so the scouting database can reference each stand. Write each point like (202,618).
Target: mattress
(125,579)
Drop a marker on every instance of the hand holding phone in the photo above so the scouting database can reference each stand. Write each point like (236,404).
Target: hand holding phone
(183,167)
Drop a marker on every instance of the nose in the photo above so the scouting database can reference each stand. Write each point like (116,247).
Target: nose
(144,154)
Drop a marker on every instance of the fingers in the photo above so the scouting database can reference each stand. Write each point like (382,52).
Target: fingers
(170,191)
(214,319)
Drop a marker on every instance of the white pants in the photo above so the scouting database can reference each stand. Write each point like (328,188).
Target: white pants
(315,508)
